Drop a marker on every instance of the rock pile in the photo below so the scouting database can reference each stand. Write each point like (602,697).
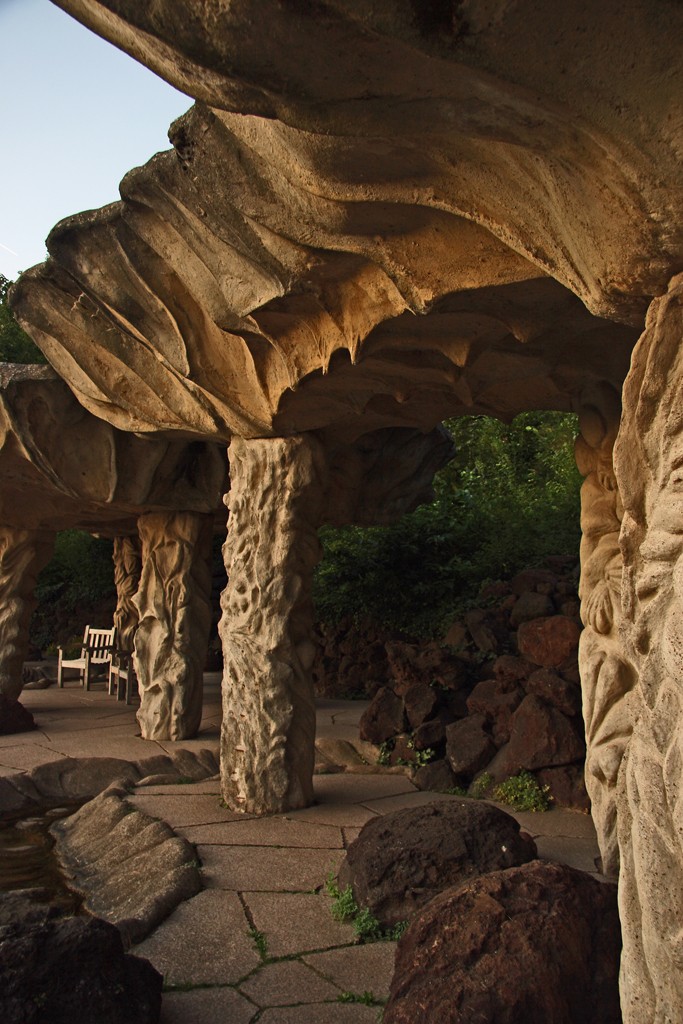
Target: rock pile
(502,695)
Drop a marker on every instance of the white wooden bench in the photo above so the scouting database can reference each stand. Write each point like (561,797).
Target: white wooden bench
(97,648)
(122,678)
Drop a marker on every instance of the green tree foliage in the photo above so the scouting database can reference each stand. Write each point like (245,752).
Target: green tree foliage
(15,344)
(509,499)
(78,578)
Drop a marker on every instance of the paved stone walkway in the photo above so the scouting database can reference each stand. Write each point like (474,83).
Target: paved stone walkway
(259,942)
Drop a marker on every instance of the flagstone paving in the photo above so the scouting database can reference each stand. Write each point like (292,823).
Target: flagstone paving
(259,943)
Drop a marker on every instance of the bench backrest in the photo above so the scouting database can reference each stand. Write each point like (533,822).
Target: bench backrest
(99,642)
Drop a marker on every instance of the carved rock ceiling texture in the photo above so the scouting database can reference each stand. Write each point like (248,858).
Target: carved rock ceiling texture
(500,166)
(62,467)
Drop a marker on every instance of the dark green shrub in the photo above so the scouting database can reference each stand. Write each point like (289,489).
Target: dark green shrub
(71,588)
(509,499)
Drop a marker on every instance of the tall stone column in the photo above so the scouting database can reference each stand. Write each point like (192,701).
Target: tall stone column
(276,497)
(607,674)
(649,466)
(23,553)
(127,571)
(174,608)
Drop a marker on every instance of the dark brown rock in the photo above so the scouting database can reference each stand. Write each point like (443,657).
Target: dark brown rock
(537,944)
(436,776)
(548,642)
(530,579)
(402,860)
(542,737)
(57,970)
(531,606)
(384,718)
(430,734)
(494,699)
(555,690)
(420,700)
(511,669)
(571,608)
(487,630)
(567,786)
(14,717)
(469,746)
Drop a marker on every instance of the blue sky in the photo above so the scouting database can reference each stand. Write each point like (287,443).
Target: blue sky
(76,115)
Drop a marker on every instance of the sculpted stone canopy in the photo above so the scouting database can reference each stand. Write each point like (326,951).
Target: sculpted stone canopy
(376,216)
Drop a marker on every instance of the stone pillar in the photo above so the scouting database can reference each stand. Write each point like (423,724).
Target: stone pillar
(23,553)
(127,571)
(268,736)
(649,466)
(607,674)
(174,608)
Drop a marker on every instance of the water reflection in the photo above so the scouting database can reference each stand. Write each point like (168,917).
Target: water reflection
(27,860)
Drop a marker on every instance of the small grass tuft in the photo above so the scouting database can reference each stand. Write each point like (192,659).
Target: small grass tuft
(365,924)
(260,941)
(366,999)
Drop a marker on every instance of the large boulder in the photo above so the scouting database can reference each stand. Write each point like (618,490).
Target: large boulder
(537,944)
(57,970)
(400,861)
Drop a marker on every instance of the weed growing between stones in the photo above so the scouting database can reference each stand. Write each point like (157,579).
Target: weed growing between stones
(523,793)
(366,999)
(481,786)
(385,750)
(366,925)
(419,759)
(260,941)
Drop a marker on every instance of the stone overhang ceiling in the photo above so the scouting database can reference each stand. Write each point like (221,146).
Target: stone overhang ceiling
(374,218)
(61,467)
(557,126)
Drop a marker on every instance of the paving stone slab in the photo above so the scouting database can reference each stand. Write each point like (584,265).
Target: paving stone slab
(205,941)
(340,815)
(90,744)
(560,821)
(206,1006)
(358,969)
(577,853)
(321,1013)
(297,923)
(286,983)
(416,798)
(275,831)
(210,787)
(345,788)
(183,809)
(267,869)
(24,756)
(208,737)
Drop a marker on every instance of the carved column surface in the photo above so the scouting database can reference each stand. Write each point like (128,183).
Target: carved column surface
(607,674)
(23,553)
(649,465)
(268,736)
(174,608)
(127,571)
